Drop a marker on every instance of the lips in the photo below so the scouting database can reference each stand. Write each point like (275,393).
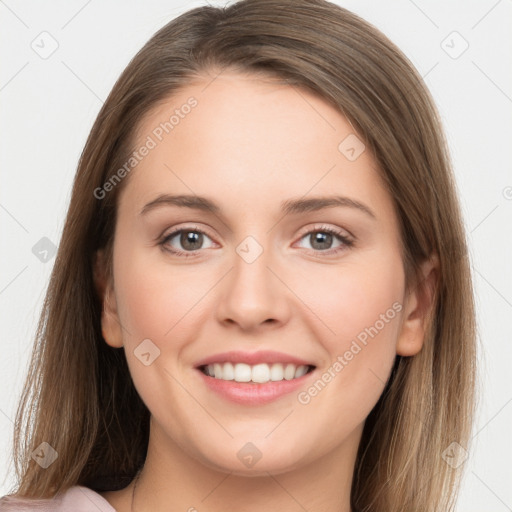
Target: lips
(254,378)
(253,393)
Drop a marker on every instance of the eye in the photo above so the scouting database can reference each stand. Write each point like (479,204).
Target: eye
(322,238)
(190,239)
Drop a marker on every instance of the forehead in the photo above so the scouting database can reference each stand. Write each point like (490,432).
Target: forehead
(249,138)
(246,111)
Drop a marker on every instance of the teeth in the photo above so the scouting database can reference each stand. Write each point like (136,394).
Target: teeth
(242,373)
(228,372)
(259,373)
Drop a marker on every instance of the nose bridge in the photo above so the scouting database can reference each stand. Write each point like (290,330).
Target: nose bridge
(252,293)
(251,279)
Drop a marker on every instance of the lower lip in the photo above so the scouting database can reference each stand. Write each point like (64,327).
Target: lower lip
(250,393)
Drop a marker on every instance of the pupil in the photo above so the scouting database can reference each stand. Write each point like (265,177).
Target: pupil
(188,239)
(322,238)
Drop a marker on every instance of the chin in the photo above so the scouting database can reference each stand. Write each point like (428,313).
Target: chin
(251,463)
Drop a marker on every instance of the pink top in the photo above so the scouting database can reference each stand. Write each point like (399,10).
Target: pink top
(75,499)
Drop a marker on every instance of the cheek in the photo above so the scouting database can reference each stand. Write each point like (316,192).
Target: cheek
(160,303)
(363,307)
(367,307)
(359,310)
(156,301)
(352,298)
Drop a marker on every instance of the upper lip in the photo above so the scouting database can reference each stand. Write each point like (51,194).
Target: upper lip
(252,358)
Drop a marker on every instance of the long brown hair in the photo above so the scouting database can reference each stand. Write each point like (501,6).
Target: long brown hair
(79,396)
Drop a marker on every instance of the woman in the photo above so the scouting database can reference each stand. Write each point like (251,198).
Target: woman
(193,353)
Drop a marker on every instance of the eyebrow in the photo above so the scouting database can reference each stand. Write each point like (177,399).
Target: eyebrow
(290,206)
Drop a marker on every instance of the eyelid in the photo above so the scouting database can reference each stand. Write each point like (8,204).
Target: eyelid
(323,226)
(186,227)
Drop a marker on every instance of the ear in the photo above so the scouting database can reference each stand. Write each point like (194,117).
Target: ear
(110,325)
(418,306)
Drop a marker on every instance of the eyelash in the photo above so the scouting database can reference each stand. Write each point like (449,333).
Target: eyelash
(347,242)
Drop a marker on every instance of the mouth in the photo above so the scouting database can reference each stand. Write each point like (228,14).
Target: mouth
(255,374)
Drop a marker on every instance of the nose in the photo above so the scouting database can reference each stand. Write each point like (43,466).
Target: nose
(252,295)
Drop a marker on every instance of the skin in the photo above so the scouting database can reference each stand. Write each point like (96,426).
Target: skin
(249,144)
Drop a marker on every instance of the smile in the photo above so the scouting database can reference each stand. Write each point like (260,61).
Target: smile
(258,373)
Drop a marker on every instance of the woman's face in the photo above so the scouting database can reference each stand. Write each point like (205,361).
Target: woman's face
(289,254)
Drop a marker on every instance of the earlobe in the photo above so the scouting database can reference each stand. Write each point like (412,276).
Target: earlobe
(419,304)
(110,325)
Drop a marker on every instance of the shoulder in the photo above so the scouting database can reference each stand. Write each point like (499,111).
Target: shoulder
(76,499)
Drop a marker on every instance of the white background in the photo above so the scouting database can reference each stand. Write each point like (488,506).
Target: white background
(48,107)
